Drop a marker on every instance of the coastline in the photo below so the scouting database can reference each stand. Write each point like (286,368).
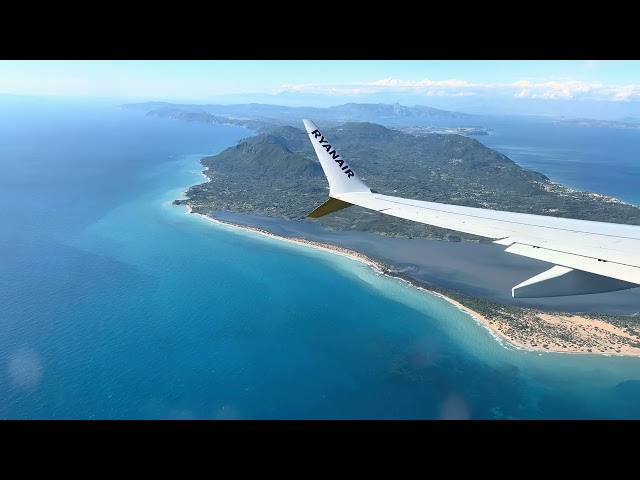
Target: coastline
(572,333)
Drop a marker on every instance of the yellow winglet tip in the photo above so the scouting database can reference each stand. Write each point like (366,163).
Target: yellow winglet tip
(330,206)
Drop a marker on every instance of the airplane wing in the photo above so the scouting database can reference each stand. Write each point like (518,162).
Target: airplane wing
(587,256)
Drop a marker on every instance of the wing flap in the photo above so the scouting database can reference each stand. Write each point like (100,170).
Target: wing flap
(628,273)
(560,281)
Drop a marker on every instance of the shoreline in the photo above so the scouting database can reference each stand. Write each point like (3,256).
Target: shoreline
(345,252)
(594,337)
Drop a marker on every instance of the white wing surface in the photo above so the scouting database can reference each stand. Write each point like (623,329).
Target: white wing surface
(588,257)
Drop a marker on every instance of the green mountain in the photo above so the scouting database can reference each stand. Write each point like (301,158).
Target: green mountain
(277,173)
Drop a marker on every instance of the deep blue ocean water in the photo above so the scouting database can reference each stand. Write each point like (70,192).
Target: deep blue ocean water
(594,159)
(115,304)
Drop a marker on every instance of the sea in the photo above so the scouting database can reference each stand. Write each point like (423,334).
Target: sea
(603,160)
(116,304)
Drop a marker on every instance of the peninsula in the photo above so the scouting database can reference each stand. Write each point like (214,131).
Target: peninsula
(275,174)
(422,153)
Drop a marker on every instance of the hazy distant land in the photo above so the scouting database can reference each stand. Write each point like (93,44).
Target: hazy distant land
(444,130)
(260,126)
(411,119)
(630,123)
(277,115)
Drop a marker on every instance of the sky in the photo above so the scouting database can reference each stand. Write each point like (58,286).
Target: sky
(328,81)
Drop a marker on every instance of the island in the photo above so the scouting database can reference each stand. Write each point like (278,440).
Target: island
(472,130)
(276,174)
(629,123)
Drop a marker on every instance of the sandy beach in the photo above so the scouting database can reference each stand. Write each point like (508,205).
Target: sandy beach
(569,333)
(299,241)
(533,330)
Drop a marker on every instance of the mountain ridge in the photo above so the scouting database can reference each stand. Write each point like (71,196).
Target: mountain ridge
(277,173)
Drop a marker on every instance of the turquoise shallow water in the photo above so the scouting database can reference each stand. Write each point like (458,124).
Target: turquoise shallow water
(116,304)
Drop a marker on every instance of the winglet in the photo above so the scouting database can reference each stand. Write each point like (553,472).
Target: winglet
(330,206)
(341,177)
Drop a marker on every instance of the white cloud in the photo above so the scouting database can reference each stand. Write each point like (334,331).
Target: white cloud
(423,83)
(552,90)
(628,92)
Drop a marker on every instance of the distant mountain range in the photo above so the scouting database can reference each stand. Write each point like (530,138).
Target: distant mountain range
(261,117)
(481,104)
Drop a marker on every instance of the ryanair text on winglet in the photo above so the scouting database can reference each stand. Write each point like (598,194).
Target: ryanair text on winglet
(335,155)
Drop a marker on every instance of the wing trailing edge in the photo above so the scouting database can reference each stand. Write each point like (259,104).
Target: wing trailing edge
(562,281)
